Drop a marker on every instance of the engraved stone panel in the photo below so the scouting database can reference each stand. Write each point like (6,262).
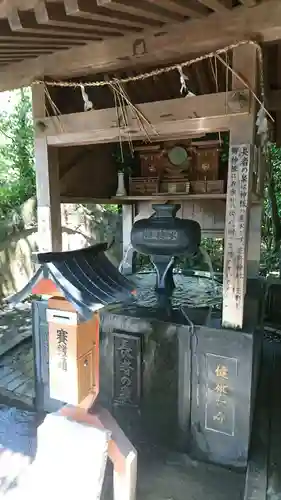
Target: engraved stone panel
(127,366)
(220,404)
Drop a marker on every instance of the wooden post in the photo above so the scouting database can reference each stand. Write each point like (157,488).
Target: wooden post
(245,63)
(47,182)
(236,228)
(239,185)
(127,224)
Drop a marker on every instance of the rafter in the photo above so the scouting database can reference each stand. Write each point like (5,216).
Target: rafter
(89,10)
(55,15)
(19,41)
(8,35)
(24,50)
(154,12)
(249,3)
(25,22)
(191,10)
(216,5)
(173,43)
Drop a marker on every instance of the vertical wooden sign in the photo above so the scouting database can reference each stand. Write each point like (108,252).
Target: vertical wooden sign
(236,226)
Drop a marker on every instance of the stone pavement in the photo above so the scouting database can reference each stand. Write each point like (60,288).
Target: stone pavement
(15,325)
(17,447)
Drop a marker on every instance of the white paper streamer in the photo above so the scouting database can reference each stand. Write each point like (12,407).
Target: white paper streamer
(88,105)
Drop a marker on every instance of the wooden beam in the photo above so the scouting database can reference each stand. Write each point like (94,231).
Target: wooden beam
(55,15)
(192,37)
(249,3)
(86,10)
(216,5)
(193,9)
(24,50)
(235,240)
(6,5)
(245,63)
(9,35)
(238,202)
(47,183)
(21,43)
(149,11)
(182,116)
(25,22)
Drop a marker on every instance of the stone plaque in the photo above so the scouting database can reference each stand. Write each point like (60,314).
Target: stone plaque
(127,369)
(220,397)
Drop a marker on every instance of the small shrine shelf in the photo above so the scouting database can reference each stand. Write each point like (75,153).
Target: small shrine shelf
(119,200)
(123,200)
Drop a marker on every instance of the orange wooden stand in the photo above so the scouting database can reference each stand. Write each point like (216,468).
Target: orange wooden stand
(73,353)
(74,378)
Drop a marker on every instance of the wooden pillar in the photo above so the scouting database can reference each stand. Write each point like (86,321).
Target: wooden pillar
(47,182)
(245,63)
(238,205)
(128,212)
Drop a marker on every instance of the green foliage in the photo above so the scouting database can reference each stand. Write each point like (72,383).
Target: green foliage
(271,221)
(17,176)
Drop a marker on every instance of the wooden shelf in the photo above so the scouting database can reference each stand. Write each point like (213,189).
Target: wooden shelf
(173,197)
(119,200)
(123,200)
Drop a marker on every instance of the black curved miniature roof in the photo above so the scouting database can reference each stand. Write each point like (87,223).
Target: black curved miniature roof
(86,278)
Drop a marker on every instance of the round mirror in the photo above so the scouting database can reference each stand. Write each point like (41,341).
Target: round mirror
(178,155)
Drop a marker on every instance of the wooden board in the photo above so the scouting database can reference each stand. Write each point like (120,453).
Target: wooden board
(47,183)
(167,118)
(237,208)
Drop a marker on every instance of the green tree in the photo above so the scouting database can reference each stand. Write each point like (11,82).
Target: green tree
(271,222)
(17,176)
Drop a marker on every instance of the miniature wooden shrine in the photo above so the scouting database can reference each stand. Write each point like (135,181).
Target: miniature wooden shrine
(178,168)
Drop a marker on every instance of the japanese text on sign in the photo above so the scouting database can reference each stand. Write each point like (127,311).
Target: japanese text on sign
(62,344)
(219,414)
(126,369)
(236,222)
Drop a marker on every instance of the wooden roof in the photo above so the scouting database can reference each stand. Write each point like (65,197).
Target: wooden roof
(63,38)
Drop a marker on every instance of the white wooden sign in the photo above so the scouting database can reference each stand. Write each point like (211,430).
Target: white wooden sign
(236,224)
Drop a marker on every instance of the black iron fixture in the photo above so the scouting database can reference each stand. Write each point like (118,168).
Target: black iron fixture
(163,236)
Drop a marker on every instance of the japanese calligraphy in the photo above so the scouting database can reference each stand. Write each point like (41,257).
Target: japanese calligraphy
(222,371)
(126,372)
(219,416)
(236,225)
(62,345)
